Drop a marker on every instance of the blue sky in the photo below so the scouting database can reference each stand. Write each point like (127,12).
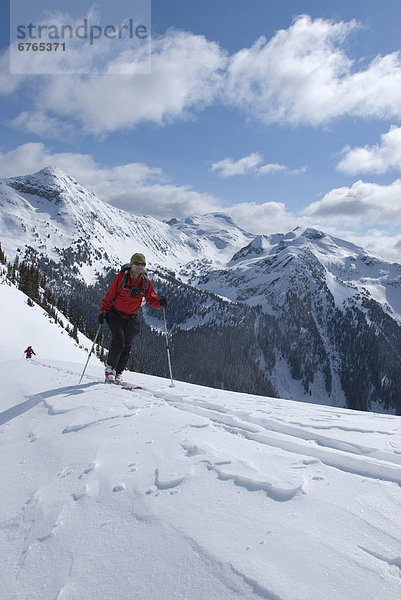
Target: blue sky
(281,114)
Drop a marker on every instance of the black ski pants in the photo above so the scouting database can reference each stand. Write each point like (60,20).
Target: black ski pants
(123,332)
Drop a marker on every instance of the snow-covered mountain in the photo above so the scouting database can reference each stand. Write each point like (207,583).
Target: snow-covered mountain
(52,213)
(321,301)
(183,493)
(283,314)
(263,272)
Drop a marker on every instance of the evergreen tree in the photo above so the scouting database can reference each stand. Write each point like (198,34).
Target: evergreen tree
(15,269)
(3,260)
(29,280)
(74,333)
(10,273)
(62,305)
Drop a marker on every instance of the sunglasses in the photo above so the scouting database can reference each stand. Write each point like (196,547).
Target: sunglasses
(139,264)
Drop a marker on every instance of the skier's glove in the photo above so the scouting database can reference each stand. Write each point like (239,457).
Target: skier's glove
(102,316)
(163,301)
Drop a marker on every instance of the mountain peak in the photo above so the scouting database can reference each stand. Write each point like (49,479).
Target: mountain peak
(312,234)
(256,247)
(50,177)
(52,174)
(51,171)
(49,183)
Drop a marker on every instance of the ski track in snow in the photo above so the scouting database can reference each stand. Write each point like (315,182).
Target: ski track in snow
(352,458)
(193,453)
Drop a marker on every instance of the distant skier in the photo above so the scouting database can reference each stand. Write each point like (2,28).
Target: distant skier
(120,308)
(29,351)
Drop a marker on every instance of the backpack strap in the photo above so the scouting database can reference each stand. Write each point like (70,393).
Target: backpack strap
(145,283)
(126,270)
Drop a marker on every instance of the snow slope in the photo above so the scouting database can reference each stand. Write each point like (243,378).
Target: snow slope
(22,325)
(184,493)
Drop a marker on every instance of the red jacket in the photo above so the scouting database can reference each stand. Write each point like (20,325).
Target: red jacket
(123,301)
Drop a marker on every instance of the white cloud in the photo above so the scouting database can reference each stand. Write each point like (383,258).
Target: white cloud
(134,187)
(27,158)
(186,76)
(250,164)
(369,202)
(303,76)
(40,124)
(268,217)
(166,201)
(382,243)
(382,239)
(376,159)
(277,168)
(229,167)
(271,168)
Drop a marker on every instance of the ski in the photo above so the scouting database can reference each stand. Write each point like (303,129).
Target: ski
(130,387)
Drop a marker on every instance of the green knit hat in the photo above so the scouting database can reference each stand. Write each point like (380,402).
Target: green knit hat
(137,257)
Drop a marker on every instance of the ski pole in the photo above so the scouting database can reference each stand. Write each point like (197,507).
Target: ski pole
(89,355)
(172,384)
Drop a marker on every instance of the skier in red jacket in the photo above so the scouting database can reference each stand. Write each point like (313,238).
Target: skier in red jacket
(29,351)
(120,308)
